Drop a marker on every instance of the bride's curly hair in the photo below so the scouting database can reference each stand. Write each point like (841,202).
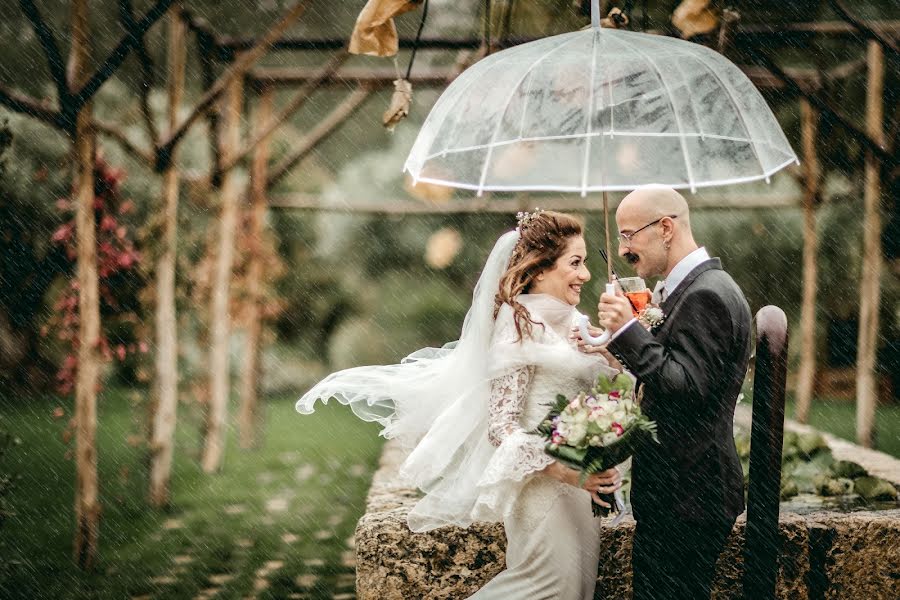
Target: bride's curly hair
(543,237)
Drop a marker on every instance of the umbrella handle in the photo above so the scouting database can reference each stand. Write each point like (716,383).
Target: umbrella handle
(583,325)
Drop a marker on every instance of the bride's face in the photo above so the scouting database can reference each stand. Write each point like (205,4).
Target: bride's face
(568,274)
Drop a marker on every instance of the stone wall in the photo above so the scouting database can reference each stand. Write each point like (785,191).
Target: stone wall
(825,555)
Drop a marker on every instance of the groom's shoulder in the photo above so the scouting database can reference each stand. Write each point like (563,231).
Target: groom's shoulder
(716,281)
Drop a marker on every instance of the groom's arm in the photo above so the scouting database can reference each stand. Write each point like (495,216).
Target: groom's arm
(692,360)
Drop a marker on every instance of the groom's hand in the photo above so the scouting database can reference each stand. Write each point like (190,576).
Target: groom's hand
(614,311)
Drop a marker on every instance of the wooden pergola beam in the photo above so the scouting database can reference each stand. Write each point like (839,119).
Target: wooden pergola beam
(238,67)
(761,77)
(290,109)
(506,205)
(743,34)
(320,132)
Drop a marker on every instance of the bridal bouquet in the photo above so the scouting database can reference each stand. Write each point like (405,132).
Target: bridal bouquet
(597,429)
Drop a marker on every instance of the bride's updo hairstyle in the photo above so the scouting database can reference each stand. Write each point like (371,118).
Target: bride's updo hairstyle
(543,237)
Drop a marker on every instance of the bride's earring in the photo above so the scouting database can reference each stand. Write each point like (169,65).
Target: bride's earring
(667,245)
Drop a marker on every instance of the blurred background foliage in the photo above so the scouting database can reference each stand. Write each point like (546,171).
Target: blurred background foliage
(362,289)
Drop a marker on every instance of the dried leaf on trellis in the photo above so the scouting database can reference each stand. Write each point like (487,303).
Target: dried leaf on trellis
(693,17)
(400,103)
(375,33)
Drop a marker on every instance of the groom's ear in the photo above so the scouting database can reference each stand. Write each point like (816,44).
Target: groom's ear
(668,227)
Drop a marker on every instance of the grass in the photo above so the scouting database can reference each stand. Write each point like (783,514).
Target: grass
(277,522)
(839,418)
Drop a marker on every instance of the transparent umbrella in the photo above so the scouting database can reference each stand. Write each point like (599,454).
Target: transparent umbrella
(599,110)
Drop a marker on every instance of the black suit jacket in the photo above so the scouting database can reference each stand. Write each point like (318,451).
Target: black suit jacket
(691,369)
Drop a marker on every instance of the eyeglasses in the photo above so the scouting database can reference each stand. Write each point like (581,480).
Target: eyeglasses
(625,238)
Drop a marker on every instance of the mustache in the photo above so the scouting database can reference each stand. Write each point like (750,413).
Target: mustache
(631,258)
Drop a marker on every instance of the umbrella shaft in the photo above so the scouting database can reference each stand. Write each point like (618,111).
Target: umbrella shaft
(595,14)
(609,267)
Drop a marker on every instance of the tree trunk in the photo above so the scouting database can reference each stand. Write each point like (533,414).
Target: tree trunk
(251,372)
(219,311)
(87,502)
(162,437)
(870,286)
(807,373)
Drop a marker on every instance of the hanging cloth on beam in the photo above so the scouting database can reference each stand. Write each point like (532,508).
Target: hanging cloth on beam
(375,33)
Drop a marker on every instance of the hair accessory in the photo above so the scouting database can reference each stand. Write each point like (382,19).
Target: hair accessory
(525,218)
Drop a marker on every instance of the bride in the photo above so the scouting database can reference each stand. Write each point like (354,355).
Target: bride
(464,412)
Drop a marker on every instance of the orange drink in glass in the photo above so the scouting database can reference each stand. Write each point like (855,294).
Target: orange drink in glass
(637,293)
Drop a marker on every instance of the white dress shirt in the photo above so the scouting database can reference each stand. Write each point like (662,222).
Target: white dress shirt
(676,276)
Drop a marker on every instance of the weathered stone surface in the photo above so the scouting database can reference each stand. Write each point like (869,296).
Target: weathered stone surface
(863,559)
(824,555)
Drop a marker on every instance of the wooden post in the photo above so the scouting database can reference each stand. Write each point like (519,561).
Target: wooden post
(763,539)
(251,367)
(87,502)
(870,286)
(807,373)
(219,367)
(166,392)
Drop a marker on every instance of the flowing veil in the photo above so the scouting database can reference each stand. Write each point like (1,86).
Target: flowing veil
(435,402)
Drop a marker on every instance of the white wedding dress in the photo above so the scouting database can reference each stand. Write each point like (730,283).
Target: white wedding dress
(463,412)
(552,536)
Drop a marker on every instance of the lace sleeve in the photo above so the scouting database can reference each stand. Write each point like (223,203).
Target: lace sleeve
(519,453)
(506,403)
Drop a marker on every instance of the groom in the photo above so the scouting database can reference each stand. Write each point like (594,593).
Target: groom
(688,489)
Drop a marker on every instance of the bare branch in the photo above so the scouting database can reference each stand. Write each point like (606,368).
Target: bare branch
(889,158)
(292,107)
(115,59)
(51,50)
(126,15)
(886,43)
(244,62)
(39,110)
(320,132)
(110,131)
(32,107)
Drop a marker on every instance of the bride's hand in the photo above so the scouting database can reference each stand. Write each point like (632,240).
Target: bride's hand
(605,482)
(591,349)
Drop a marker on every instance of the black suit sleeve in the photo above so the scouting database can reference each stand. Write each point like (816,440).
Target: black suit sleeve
(691,363)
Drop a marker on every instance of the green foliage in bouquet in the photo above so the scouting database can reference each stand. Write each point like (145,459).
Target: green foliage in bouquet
(597,429)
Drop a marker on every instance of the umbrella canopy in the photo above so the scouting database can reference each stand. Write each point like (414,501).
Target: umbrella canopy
(599,110)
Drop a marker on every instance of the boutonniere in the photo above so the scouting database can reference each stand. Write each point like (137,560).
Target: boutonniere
(652,317)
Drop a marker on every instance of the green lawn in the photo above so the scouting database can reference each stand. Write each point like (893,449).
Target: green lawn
(276,523)
(839,417)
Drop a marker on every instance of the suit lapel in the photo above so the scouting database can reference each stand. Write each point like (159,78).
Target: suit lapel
(669,304)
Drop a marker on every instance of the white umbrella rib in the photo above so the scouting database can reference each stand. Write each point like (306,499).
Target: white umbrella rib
(538,61)
(593,134)
(727,87)
(684,150)
(589,116)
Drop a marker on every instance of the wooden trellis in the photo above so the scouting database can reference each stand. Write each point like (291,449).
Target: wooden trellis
(72,115)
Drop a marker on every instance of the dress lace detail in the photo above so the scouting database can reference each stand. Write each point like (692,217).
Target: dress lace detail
(512,483)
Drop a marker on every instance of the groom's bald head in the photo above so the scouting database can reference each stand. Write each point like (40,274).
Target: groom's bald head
(655,219)
(656,201)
